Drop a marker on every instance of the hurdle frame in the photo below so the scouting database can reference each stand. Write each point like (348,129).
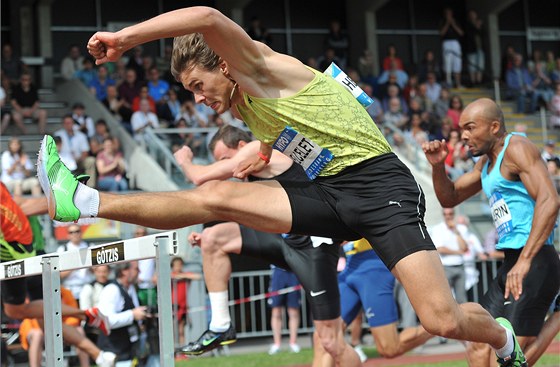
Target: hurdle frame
(160,246)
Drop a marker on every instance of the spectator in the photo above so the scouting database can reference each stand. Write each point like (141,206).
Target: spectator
(119,74)
(449,239)
(392,57)
(451,32)
(401,75)
(75,280)
(416,132)
(550,61)
(17,170)
(441,106)
(384,87)
(519,83)
(143,119)
(157,89)
(366,67)
(328,58)
(119,302)
(129,88)
(117,106)
(542,88)
(555,108)
(97,139)
(181,280)
(147,64)
(12,66)
(71,63)
(25,104)
(163,63)
(474,251)
(65,154)
(91,293)
(474,38)
(549,151)
(4,110)
(258,32)
(75,144)
(425,101)
(111,168)
(83,122)
(280,279)
(338,40)
(32,336)
(536,59)
(455,109)
(143,95)
(135,62)
(393,91)
(376,109)
(433,88)
(428,64)
(87,73)
(507,60)
(147,291)
(411,88)
(395,115)
(173,106)
(98,86)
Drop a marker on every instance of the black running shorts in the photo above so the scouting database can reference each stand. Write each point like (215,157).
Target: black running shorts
(540,286)
(315,267)
(377,199)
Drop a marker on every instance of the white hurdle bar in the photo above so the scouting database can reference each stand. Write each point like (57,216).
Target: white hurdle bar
(160,246)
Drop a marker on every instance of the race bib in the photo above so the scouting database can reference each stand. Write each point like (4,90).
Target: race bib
(341,77)
(303,151)
(500,214)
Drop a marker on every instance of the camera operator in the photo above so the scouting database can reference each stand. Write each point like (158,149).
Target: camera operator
(119,302)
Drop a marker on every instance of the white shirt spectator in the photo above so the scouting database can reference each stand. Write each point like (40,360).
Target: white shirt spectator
(444,237)
(8,161)
(73,145)
(76,280)
(112,302)
(142,120)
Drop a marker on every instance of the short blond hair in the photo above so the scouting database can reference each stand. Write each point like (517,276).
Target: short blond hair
(189,51)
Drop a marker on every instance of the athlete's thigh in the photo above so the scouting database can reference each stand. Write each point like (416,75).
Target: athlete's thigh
(375,285)
(315,268)
(419,272)
(350,303)
(262,205)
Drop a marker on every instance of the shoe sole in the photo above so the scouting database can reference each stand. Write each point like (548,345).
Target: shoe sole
(43,178)
(226,342)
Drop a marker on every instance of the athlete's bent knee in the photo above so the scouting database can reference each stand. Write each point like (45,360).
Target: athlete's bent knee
(388,350)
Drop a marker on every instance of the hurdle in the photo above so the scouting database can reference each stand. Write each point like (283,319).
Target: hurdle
(160,246)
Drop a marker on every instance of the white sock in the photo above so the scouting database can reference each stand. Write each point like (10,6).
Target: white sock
(86,200)
(99,360)
(221,319)
(507,349)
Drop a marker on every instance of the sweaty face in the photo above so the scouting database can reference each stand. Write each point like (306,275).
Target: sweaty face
(211,88)
(476,133)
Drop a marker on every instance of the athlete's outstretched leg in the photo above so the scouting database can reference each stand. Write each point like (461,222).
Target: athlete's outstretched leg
(440,314)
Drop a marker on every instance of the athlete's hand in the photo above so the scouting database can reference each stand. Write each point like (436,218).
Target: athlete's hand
(105,46)
(436,151)
(514,282)
(183,155)
(248,166)
(195,238)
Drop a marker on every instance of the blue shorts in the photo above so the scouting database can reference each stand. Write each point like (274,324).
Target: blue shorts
(281,279)
(367,283)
